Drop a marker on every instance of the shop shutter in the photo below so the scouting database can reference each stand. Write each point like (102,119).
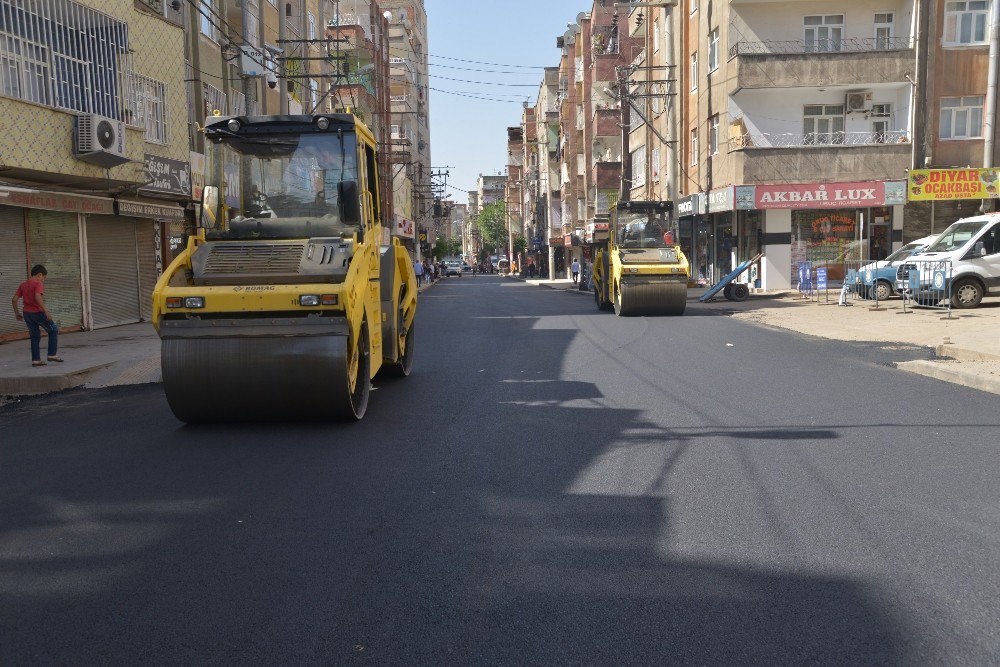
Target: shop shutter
(146,248)
(13,264)
(114,270)
(54,240)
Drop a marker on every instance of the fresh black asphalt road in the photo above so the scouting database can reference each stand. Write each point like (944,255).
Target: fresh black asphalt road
(551,485)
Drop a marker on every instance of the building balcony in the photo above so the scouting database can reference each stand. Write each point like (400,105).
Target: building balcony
(606,122)
(604,66)
(607,175)
(846,62)
(819,157)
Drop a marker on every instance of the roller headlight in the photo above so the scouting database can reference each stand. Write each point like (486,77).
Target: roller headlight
(323,122)
(233,125)
(194,302)
(309,300)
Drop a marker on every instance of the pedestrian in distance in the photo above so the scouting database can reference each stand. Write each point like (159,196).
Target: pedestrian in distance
(418,269)
(575,269)
(36,315)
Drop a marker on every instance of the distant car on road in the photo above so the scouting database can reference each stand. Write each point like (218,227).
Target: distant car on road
(454,267)
(878,278)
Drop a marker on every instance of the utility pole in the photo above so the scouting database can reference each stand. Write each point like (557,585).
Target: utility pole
(282,60)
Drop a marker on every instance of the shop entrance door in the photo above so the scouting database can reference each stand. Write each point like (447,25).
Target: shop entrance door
(13,264)
(879,242)
(114,271)
(725,244)
(704,265)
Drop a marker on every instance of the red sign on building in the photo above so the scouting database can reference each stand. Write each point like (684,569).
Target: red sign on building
(820,195)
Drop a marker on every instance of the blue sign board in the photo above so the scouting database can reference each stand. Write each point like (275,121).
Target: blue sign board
(940,280)
(821,278)
(805,276)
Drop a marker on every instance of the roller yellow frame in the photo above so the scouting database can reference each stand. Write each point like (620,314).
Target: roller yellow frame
(285,304)
(640,270)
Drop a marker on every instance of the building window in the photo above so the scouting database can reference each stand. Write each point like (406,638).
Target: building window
(639,167)
(311,18)
(694,6)
(881,117)
(961,117)
(823,124)
(656,36)
(884,27)
(581,209)
(207,20)
(713,50)
(965,21)
(150,101)
(713,135)
(40,63)
(824,32)
(654,165)
(694,71)
(694,147)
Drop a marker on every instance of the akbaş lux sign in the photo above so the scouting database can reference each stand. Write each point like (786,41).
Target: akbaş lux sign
(944,184)
(820,195)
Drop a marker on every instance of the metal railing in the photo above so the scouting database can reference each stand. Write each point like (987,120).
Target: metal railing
(845,45)
(926,283)
(810,139)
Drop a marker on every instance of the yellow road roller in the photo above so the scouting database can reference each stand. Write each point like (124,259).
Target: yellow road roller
(289,299)
(640,270)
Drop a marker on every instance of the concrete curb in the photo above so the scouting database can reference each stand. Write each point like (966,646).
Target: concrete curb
(26,385)
(950,373)
(963,354)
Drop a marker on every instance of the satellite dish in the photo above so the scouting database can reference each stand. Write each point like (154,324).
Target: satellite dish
(581,17)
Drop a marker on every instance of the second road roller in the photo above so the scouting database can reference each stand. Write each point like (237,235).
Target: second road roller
(289,298)
(640,270)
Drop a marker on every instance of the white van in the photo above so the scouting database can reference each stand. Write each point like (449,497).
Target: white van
(973,247)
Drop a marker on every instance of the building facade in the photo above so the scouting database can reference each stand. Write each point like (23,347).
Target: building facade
(95,154)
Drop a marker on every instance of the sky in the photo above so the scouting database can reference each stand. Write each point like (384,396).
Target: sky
(470,135)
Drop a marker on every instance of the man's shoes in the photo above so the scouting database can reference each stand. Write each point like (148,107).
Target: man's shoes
(37,363)
(56,359)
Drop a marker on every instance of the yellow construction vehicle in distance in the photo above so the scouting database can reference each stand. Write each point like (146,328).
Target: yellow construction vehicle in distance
(285,304)
(640,270)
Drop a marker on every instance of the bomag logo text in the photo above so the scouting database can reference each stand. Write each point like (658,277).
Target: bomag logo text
(256,288)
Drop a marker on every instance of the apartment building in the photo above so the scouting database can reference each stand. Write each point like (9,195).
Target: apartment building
(95,153)
(541,146)
(514,187)
(409,97)
(953,126)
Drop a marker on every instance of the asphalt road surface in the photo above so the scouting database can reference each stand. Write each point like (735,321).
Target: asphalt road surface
(552,485)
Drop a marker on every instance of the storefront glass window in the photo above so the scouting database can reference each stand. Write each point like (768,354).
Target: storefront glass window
(826,238)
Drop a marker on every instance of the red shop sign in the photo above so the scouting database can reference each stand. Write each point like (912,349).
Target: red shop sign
(821,195)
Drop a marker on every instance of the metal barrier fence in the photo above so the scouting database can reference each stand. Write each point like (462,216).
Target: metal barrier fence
(926,284)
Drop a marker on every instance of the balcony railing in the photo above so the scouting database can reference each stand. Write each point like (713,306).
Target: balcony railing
(850,45)
(809,139)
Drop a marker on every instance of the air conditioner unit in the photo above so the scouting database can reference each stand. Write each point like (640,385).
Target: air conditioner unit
(859,101)
(99,140)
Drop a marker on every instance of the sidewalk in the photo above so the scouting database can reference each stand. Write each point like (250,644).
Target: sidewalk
(123,355)
(967,346)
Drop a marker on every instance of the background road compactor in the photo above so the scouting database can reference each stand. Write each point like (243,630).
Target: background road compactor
(284,305)
(640,271)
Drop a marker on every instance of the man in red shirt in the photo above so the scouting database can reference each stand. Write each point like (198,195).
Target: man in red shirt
(36,315)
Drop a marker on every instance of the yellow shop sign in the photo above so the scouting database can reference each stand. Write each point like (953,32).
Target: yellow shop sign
(938,184)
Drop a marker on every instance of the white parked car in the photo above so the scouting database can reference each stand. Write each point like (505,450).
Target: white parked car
(972,245)
(454,267)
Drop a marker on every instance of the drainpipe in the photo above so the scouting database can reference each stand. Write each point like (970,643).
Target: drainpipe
(990,111)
